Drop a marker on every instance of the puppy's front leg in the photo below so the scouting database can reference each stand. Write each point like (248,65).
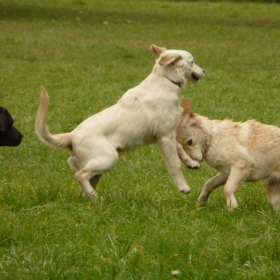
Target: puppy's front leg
(190,163)
(167,145)
(210,185)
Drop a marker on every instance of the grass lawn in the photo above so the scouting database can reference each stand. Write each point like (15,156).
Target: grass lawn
(87,54)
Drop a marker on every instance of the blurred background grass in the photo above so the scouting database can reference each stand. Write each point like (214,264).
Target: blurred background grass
(87,54)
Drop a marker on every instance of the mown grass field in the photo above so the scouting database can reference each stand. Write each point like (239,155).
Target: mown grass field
(87,54)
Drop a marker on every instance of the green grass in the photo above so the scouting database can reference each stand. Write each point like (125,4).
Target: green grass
(87,54)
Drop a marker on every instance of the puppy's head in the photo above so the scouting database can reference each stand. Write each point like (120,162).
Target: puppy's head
(177,65)
(9,135)
(190,133)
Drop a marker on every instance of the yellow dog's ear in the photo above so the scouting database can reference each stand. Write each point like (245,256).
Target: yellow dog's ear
(165,59)
(169,58)
(156,50)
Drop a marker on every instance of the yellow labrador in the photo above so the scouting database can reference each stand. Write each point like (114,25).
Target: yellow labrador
(242,152)
(145,114)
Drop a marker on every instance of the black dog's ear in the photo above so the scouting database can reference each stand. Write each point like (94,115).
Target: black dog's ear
(6,120)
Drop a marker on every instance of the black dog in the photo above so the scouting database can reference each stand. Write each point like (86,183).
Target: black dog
(9,135)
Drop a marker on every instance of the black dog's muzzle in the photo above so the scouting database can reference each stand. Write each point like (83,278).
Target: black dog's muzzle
(11,138)
(9,135)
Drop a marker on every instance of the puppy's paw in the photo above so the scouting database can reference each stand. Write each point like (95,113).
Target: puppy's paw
(194,167)
(232,208)
(92,195)
(192,164)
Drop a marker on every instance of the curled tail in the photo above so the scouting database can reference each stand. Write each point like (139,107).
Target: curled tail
(61,141)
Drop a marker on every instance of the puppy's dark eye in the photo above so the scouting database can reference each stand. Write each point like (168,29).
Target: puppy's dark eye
(189,142)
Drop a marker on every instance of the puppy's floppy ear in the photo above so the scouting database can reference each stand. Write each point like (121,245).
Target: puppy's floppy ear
(156,50)
(187,114)
(169,58)
(192,118)
(186,104)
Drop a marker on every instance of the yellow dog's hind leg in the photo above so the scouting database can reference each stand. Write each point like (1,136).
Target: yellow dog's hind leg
(273,192)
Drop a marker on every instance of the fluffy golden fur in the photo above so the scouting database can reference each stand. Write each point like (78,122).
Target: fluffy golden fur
(242,152)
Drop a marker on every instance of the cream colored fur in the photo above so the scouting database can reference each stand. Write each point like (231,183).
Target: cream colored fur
(242,152)
(145,114)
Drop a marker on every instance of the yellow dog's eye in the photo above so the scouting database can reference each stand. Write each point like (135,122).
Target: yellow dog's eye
(189,142)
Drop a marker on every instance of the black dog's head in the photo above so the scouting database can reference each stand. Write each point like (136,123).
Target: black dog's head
(9,135)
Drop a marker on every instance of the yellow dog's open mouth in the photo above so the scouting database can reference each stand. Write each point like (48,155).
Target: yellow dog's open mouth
(195,78)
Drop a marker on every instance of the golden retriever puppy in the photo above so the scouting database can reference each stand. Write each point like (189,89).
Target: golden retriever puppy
(145,114)
(242,152)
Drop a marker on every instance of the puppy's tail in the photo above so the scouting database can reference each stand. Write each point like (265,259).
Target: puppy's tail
(61,141)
